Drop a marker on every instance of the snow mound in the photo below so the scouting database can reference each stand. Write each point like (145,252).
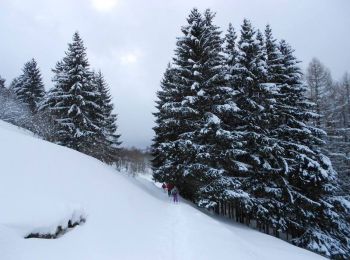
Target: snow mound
(43,186)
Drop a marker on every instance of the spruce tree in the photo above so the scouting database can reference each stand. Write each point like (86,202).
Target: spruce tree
(214,139)
(314,216)
(192,98)
(2,83)
(73,100)
(268,184)
(166,125)
(108,138)
(261,58)
(4,93)
(29,88)
(181,151)
(259,152)
(230,52)
(273,58)
(13,84)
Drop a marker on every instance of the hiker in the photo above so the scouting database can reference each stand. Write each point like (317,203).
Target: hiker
(164,187)
(175,193)
(169,187)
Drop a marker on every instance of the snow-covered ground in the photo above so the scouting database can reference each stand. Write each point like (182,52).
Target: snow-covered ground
(43,185)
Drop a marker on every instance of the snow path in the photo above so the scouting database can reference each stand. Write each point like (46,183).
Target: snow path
(187,225)
(42,184)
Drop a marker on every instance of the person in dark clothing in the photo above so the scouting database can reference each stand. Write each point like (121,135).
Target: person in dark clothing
(175,193)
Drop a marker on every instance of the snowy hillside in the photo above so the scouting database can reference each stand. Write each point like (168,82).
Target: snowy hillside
(43,186)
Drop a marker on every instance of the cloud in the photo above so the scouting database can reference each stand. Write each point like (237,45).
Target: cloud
(104,5)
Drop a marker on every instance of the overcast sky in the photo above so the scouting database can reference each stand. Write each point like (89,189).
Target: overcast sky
(132,41)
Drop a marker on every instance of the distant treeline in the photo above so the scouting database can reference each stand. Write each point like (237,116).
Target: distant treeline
(134,161)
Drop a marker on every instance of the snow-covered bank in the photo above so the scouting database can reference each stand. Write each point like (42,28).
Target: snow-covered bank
(42,184)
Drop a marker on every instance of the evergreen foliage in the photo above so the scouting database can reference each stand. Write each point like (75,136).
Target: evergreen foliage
(233,128)
(273,58)
(2,83)
(28,87)
(109,139)
(180,110)
(230,52)
(79,104)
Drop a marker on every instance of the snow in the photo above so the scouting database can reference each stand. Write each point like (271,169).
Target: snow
(201,93)
(213,119)
(43,185)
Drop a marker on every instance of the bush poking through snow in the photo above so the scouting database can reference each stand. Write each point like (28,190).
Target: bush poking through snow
(60,230)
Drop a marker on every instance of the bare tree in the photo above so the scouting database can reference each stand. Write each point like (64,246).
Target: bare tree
(319,81)
(346,94)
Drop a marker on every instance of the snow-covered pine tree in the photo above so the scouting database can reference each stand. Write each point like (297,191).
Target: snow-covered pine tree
(273,58)
(29,88)
(166,125)
(13,84)
(2,83)
(186,145)
(313,215)
(261,58)
(73,100)
(4,93)
(180,151)
(215,142)
(259,152)
(268,185)
(109,142)
(230,52)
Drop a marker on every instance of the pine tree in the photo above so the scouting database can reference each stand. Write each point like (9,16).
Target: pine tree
(181,151)
(261,58)
(234,128)
(259,153)
(230,52)
(273,58)
(73,100)
(29,87)
(311,213)
(109,139)
(2,83)
(166,126)
(214,139)
(13,84)
(192,97)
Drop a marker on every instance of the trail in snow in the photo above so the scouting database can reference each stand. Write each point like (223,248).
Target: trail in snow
(188,225)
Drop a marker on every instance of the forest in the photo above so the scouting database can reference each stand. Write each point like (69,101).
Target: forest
(240,129)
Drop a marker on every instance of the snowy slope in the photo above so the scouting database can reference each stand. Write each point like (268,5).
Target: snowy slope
(42,185)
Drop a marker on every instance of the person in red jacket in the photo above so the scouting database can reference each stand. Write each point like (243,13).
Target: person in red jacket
(169,187)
